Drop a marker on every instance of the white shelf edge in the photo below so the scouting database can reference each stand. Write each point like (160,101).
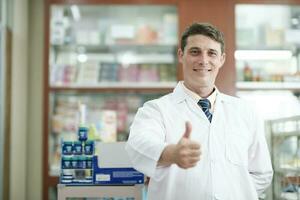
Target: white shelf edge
(268,85)
(263,54)
(285,169)
(133,59)
(125,85)
(290,195)
(286,134)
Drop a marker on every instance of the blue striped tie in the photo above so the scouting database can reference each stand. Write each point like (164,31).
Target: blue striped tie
(205,105)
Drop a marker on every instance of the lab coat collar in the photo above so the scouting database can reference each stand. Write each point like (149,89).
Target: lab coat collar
(179,95)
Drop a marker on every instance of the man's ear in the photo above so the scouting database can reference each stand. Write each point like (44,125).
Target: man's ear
(180,55)
(223,58)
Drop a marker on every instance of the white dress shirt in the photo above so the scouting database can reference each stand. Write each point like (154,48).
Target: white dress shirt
(235,162)
(211,98)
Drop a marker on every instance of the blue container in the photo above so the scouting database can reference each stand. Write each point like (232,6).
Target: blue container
(66,162)
(81,164)
(77,148)
(89,162)
(67,148)
(82,133)
(74,162)
(89,147)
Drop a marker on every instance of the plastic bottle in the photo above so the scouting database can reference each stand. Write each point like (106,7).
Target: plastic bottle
(247,72)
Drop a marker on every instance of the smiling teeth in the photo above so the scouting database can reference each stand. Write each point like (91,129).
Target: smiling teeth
(201,69)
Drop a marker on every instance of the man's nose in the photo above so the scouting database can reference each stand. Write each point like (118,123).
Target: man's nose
(203,59)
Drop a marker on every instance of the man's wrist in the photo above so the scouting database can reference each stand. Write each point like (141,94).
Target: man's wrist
(168,155)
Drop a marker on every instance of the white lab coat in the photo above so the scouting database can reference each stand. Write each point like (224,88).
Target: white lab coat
(235,162)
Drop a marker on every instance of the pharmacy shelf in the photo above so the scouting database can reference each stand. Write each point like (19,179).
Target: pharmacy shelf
(290,196)
(284,170)
(286,134)
(116,86)
(160,48)
(130,58)
(248,86)
(124,58)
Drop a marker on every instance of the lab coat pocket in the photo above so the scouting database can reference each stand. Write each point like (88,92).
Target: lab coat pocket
(236,148)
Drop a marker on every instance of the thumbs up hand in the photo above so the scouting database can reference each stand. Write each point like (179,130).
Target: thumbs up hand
(188,130)
(187,152)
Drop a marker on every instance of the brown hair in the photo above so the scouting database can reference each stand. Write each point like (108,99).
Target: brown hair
(203,29)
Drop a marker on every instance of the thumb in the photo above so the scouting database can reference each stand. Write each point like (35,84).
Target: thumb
(188,130)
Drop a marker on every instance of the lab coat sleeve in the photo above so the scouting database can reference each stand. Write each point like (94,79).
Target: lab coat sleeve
(147,139)
(260,167)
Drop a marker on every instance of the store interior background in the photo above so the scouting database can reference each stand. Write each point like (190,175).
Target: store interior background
(22,85)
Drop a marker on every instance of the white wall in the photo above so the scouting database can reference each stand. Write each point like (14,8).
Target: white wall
(35,94)
(2,92)
(19,101)
(27,92)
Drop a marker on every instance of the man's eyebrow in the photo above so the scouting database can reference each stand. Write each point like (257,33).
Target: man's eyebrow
(215,50)
(194,48)
(197,48)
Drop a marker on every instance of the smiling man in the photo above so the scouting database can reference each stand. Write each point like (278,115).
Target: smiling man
(196,142)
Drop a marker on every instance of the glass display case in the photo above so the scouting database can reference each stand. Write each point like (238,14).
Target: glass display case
(285,145)
(267,48)
(108,63)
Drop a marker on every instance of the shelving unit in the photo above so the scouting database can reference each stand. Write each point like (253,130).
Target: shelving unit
(285,145)
(267,54)
(110,63)
(116,85)
(267,59)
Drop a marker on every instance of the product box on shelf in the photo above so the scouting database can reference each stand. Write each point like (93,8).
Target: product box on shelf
(112,166)
(85,162)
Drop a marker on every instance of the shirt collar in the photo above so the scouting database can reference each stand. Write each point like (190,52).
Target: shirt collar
(180,95)
(196,97)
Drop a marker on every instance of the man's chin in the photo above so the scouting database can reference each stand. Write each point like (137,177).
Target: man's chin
(202,83)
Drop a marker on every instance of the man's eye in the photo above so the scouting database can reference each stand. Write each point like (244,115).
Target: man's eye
(212,53)
(194,52)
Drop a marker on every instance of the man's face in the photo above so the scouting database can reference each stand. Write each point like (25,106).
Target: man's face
(201,61)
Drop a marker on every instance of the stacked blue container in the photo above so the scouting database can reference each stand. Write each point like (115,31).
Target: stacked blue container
(77,160)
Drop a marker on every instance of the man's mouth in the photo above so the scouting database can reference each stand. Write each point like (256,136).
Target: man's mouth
(201,70)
